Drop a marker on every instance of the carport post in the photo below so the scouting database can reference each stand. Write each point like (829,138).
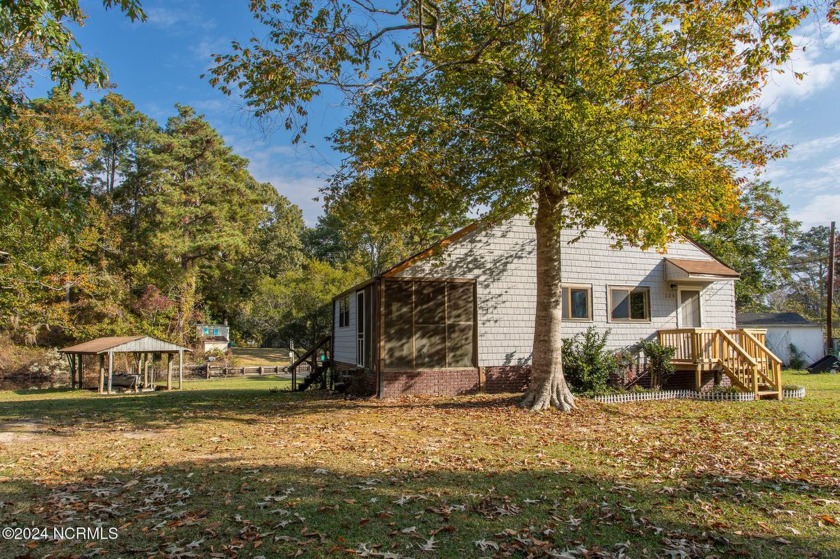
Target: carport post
(180,369)
(168,371)
(101,373)
(71,360)
(146,370)
(110,370)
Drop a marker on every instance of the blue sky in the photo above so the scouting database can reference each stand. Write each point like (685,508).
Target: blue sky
(158,63)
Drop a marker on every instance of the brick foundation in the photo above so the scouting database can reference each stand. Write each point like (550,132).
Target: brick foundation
(685,380)
(513,378)
(368,388)
(442,382)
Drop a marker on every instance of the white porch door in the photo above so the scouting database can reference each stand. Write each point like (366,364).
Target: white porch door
(689,308)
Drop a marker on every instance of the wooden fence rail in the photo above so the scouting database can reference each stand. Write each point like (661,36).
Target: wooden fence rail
(211,371)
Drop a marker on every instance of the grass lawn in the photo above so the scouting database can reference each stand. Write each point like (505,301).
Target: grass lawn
(232,468)
(259,356)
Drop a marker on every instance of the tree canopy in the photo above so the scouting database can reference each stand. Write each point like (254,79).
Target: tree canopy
(757,242)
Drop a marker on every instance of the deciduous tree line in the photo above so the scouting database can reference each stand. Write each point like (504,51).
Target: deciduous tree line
(640,117)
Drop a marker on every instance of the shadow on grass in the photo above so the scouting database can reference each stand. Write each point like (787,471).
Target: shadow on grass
(162,408)
(64,407)
(216,506)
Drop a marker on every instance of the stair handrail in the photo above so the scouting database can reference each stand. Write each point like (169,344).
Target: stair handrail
(776,368)
(737,347)
(761,346)
(747,378)
(310,352)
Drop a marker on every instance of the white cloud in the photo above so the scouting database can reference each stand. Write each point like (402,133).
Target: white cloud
(823,209)
(296,173)
(817,56)
(202,52)
(178,19)
(817,146)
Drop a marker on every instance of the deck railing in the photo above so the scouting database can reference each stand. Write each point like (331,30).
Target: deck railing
(740,354)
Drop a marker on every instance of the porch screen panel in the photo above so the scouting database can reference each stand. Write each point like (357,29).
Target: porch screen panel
(460,324)
(399,333)
(429,324)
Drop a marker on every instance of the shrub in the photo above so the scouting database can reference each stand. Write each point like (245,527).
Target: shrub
(659,361)
(22,367)
(587,364)
(797,358)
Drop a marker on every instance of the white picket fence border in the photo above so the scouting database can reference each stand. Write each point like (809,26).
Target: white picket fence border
(725,396)
(626,397)
(794,392)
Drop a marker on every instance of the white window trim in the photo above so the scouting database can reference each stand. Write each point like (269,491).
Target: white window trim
(629,288)
(360,336)
(341,314)
(588,288)
(699,291)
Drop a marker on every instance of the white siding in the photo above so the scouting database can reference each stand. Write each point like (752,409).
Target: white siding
(807,339)
(344,344)
(503,261)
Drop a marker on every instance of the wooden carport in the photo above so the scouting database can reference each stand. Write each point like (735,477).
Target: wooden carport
(143,348)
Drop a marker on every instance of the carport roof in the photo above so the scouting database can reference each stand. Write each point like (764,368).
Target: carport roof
(124,344)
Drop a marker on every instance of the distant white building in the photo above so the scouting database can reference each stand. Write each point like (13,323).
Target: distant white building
(213,336)
(787,329)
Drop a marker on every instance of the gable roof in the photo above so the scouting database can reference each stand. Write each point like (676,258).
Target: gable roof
(773,319)
(726,271)
(124,344)
(423,254)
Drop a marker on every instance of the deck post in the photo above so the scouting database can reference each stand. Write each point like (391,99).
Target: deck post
(101,375)
(180,369)
(110,370)
(698,377)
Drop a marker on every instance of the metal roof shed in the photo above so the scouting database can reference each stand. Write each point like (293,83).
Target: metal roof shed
(142,347)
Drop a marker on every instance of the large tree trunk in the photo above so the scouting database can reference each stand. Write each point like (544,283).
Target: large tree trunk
(548,386)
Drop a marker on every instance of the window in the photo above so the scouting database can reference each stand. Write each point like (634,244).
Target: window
(629,304)
(360,329)
(577,302)
(344,312)
(429,324)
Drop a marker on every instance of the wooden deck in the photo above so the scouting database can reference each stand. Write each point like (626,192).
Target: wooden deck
(739,354)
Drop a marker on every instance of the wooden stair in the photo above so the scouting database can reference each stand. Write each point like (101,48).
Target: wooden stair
(739,354)
(317,369)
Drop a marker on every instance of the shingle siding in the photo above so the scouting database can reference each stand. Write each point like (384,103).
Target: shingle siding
(503,261)
(344,344)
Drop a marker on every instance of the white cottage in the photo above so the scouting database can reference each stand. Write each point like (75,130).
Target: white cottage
(459,317)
